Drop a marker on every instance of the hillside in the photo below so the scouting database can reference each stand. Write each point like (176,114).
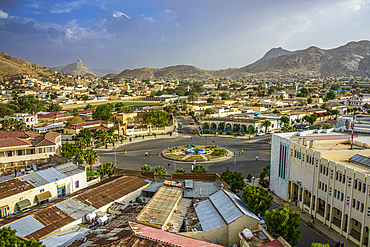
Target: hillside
(275,52)
(77,68)
(11,67)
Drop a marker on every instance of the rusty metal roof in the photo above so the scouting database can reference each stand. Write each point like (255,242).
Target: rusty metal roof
(12,187)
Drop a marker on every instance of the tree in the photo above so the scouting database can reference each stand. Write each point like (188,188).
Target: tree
(8,239)
(20,125)
(179,170)
(209,111)
(74,120)
(265,172)
(5,124)
(210,100)
(311,119)
(199,169)
(68,151)
(330,95)
(88,106)
(285,119)
(53,107)
(160,170)
(284,222)
(102,135)
(276,111)
(81,143)
(251,129)
(91,156)
(103,112)
(309,101)
(266,124)
(30,104)
(257,199)
(169,109)
(106,169)
(156,118)
(146,168)
(5,111)
(234,179)
(85,133)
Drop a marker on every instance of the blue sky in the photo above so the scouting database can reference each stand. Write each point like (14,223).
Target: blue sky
(209,34)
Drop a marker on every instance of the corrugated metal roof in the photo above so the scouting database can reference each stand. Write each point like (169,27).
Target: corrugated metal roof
(202,189)
(189,184)
(225,206)
(75,209)
(69,169)
(35,179)
(241,205)
(26,226)
(153,187)
(51,175)
(208,217)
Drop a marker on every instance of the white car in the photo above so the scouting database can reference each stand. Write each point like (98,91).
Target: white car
(260,134)
(271,132)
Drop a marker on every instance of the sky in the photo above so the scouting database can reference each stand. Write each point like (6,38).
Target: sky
(208,34)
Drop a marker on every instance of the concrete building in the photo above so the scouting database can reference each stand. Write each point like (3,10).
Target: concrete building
(325,178)
(37,188)
(29,119)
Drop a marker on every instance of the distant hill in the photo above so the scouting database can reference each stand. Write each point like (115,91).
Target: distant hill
(350,59)
(104,72)
(275,52)
(11,67)
(77,68)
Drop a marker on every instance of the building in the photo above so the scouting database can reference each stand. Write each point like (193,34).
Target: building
(92,125)
(21,149)
(29,119)
(69,211)
(54,117)
(36,188)
(326,178)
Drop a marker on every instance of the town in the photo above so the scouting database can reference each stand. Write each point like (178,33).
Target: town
(91,161)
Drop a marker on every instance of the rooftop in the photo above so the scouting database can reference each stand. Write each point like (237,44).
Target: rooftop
(160,208)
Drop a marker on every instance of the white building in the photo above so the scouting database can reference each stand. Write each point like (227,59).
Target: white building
(327,179)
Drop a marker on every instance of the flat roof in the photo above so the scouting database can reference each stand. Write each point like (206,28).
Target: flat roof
(159,209)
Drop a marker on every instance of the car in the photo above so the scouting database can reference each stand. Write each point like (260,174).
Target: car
(271,132)
(191,122)
(193,131)
(260,134)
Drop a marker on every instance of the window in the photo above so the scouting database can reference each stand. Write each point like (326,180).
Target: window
(342,197)
(368,211)
(19,152)
(40,150)
(349,181)
(358,205)
(354,203)
(10,153)
(77,184)
(340,177)
(331,173)
(326,187)
(364,188)
(344,178)
(330,190)
(355,184)
(362,207)
(336,175)
(359,186)
(320,168)
(327,171)
(347,201)
(335,193)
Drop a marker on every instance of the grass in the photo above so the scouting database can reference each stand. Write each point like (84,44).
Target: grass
(209,156)
(195,158)
(180,156)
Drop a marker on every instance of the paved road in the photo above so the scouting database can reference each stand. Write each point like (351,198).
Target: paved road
(308,235)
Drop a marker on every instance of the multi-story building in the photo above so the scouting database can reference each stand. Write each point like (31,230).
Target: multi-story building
(29,119)
(326,178)
(21,149)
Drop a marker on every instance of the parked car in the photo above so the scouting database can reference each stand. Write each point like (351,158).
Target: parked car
(260,134)
(271,132)
(191,122)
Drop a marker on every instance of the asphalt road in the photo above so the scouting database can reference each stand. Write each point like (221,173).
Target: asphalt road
(246,163)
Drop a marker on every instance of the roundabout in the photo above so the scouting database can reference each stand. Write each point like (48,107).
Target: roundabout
(197,153)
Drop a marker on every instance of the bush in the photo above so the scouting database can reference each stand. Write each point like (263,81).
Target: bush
(229,132)
(97,146)
(219,152)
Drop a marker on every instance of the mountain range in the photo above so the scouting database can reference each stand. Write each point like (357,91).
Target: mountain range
(351,59)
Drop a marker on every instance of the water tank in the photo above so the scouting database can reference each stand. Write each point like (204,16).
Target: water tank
(90,217)
(102,220)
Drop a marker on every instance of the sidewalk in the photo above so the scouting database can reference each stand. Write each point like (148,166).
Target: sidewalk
(317,226)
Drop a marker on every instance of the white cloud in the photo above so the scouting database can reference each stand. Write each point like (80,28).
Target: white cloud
(148,18)
(118,14)
(354,5)
(3,15)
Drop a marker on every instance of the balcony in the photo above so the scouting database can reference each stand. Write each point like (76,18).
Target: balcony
(27,157)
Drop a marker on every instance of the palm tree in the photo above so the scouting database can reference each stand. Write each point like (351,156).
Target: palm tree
(101,135)
(106,169)
(116,136)
(199,169)
(13,123)
(276,111)
(266,124)
(160,170)
(21,126)
(146,168)
(179,170)
(110,140)
(91,156)
(81,143)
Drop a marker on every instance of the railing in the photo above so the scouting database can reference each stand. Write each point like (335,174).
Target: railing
(26,157)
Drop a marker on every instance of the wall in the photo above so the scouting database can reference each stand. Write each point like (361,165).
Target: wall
(220,234)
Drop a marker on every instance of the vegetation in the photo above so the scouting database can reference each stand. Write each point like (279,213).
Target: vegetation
(265,172)
(68,151)
(284,222)
(53,107)
(8,239)
(319,245)
(74,120)
(179,170)
(91,156)
(30,104)
(266,124)
(156,118)
(219,152)
(103,112)
(199,169)
(285,119)
(234,179)
(106,169)
(257,199)
(146,168)
(160,170)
